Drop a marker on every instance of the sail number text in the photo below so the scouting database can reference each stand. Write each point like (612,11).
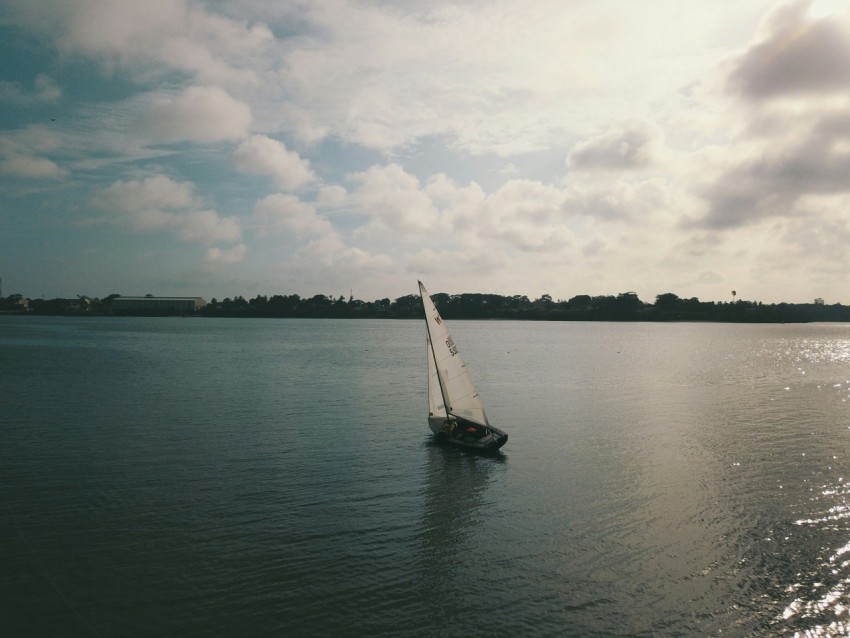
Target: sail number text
(452,347)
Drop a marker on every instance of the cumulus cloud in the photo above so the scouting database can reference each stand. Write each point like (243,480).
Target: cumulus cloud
(523,214)
(617,200)
(332,196)
(207,227)
(330,250)
(155,192)
(392,197)
(634,146)
(138,36)
(329,258)
(216,255)
(32,167)
(27,153)
(286,213)
(160,203)
(199,114)
(795,55)
(263,155)
(447,263)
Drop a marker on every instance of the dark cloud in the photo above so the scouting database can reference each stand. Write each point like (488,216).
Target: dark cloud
(787,153)
(632,147)
(817,162)
(795,56)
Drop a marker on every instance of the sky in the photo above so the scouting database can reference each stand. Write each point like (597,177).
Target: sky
(351,147)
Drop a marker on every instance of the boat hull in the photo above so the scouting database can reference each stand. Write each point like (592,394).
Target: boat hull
(467,435)
(482,446)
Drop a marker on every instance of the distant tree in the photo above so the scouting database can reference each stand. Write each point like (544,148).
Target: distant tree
(407,306)
(519,301)
(628,303)
(580,302)
(319,301)
(283,306)
(441,300)
(667,301)
(603,302)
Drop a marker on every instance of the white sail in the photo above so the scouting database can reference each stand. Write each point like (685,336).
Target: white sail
(456,388)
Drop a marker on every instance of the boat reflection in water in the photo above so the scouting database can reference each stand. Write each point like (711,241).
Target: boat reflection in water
(453,541)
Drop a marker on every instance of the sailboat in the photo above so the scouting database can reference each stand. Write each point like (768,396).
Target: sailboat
(455,412)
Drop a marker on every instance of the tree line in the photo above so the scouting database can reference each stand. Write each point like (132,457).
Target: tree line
(625,306)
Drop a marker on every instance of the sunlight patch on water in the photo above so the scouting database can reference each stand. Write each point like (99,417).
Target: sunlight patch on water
(837,513)
(821,601)
(824,351)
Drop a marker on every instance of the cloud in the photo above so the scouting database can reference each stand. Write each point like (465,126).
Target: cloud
(332,196)
(45,90)
(631,147)
(199,114)
(522,214)
(32,167)
(771,180)
(24,153)
(155,192)
(524,146)
(264,156)
(447,263)
(793,135)
(207,227)
(232,255)
(328,258)
(617,199)
(330,250)
(158,34)
(501,77)
(160,203)
(286,213)
(795,55)
(392,198)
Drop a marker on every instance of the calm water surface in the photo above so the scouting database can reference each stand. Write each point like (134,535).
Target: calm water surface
(212,477)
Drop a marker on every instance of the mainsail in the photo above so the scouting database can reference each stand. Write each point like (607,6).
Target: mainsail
(457,391)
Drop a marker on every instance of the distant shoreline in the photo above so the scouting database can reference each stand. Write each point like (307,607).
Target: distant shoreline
(625,307)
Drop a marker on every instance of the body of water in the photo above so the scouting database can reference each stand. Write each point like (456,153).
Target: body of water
(213,477)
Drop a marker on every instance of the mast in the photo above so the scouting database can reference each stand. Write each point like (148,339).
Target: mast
(422,294)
